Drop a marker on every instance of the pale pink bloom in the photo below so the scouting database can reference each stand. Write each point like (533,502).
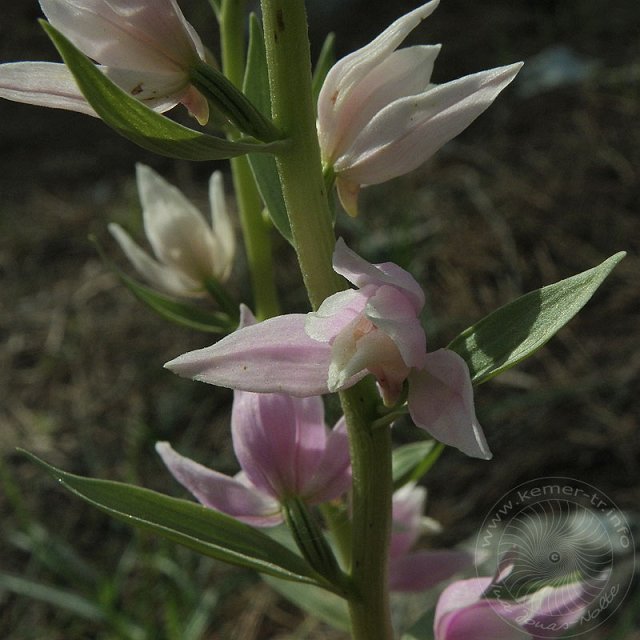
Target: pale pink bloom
(189,250)
(412,569)
(464,612)
(145,46)
(379,115)
(285,450)
(370,330)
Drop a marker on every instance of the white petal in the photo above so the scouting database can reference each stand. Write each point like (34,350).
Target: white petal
(158,91)
(45,84)
(350,70)
(157,274)
(405,72)
(404,134)
(177,231)
(221,224)
(151,36)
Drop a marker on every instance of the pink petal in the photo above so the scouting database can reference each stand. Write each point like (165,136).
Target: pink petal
(274,356)
(441,402)
(480,622)
(196,104)
(360,349)
(334,314)
(361,273)
(348,195)
(462,593)
(408,509)
(45,84)
(461,615)
(390,309)
(279,440)
(220,492)
(332,477)
(422,570)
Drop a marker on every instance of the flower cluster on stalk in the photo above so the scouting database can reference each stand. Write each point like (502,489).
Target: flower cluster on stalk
(379,116)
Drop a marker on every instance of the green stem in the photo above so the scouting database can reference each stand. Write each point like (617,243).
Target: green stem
(371,503)
(255,229)
(305,195)
(299,165)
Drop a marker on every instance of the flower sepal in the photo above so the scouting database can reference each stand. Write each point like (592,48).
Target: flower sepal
(176,311)
(312,542)
(234,104)
(134,120)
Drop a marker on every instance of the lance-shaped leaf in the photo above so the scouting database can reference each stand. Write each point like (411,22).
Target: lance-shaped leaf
(203,530)
(263,166)
(412,461)
(181,313)
(321,604)
(178,312)
(518,329)
(133,120)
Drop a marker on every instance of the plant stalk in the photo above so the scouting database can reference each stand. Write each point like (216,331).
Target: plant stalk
(255,229)
(299,165)
(305,195)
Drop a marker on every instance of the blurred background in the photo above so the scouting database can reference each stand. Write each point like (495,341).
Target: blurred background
(544,185)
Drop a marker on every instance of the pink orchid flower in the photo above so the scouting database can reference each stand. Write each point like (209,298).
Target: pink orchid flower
(370,330)
(379,115)
(285,450)
(413,569)
(145,46)
(189,250)
(463,613)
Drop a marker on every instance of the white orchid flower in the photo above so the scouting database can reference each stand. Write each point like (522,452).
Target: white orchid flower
(145,46)
(379,115)
(188,250)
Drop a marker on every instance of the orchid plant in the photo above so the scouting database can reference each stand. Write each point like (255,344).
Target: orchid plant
(349,499)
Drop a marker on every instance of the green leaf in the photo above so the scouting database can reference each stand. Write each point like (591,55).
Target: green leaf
(515,331)
(326,59)
(133,120)
(321,604)
(216,5)
(175,311)
(265,171)
(192,525)
(178,312)
(422,629)
(411,461)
